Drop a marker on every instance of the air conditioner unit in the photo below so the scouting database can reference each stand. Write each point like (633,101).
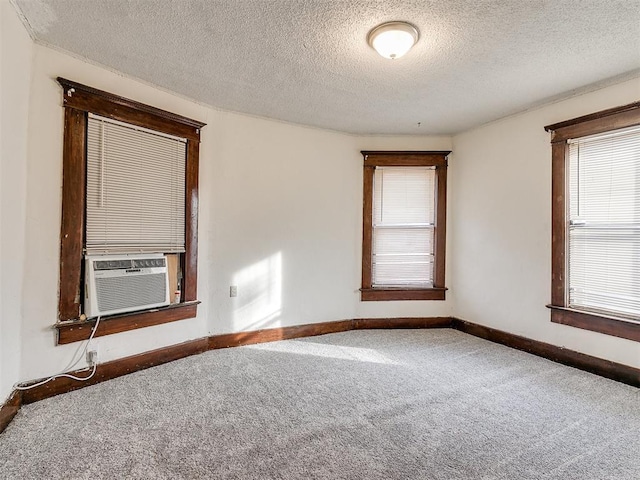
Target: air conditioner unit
(125,283)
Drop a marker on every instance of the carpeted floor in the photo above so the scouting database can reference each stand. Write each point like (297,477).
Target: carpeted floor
(396,404)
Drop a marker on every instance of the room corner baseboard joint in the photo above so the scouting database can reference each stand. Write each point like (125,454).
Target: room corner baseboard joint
(10,409)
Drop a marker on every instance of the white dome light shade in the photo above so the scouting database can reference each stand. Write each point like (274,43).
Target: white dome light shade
(393,39)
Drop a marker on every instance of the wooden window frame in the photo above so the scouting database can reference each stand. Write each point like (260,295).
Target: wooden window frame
(561,133)
(373,159)
(78,101)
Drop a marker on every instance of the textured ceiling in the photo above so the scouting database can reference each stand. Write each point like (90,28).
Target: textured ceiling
(308,62)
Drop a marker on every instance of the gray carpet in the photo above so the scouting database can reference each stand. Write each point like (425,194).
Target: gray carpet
(403,404)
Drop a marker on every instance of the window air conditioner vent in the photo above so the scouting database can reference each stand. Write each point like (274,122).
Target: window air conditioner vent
(125,283)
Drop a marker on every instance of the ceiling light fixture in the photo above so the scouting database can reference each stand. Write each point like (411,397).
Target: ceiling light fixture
(393,39)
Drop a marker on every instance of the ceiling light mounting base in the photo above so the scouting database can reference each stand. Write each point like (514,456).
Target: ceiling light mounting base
(393,39)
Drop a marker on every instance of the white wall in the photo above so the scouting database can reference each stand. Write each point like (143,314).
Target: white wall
(15,75)
(280,217)
(276,190)
(501,225)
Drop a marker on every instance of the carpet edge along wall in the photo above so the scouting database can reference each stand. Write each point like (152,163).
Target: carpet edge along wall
(126,365)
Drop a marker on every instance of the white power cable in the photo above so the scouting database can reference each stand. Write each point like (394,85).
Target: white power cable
(65,374)
(82,349)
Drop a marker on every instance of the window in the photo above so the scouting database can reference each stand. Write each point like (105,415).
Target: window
(135,189)
(596,222)
(404,225)
(116,198)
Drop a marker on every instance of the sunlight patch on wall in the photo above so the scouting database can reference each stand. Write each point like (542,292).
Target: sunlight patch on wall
(259,301)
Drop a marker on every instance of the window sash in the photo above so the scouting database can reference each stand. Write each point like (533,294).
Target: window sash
(135,189)
(403,229)
(603,227)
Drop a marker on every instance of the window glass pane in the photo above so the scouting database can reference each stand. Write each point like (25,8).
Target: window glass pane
(604,223)
(403,256)
(135,189)
(404,195)
(403,226)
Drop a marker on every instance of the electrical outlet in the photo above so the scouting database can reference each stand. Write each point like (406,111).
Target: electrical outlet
(92,357)
(233,291)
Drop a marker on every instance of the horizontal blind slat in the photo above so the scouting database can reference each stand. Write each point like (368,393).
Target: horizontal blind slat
(135,190)
(604,219)
(403,226)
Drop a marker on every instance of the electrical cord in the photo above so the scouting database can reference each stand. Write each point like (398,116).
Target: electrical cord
(65,374)
(74,361)
(59,375)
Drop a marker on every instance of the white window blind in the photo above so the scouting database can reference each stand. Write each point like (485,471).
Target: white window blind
(135,189)
(403,226)
(604,223)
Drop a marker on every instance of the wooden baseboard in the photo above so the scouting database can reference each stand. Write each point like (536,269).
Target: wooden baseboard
(124,366)
(313,329)
(10,409)
(604,368)
(116,368)
(273,334)
(389,323)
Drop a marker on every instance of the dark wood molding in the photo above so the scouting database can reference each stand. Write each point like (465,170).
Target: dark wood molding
(272,334)
(401,323)
(88,99)
(599,122)
(389,294)
(440,239)
(408,153)
(405,159)
(10,409)
(558,223)
(604,368)
(69,332)
(373,159)
(190,261)
(595,122)
(79,100)
(73,208)
(367,230)
(617,327)
(628,118)
(314,329)
(116,368)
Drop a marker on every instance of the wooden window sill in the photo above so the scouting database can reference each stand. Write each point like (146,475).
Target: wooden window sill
(383,294)
(75,331)
(617,327)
